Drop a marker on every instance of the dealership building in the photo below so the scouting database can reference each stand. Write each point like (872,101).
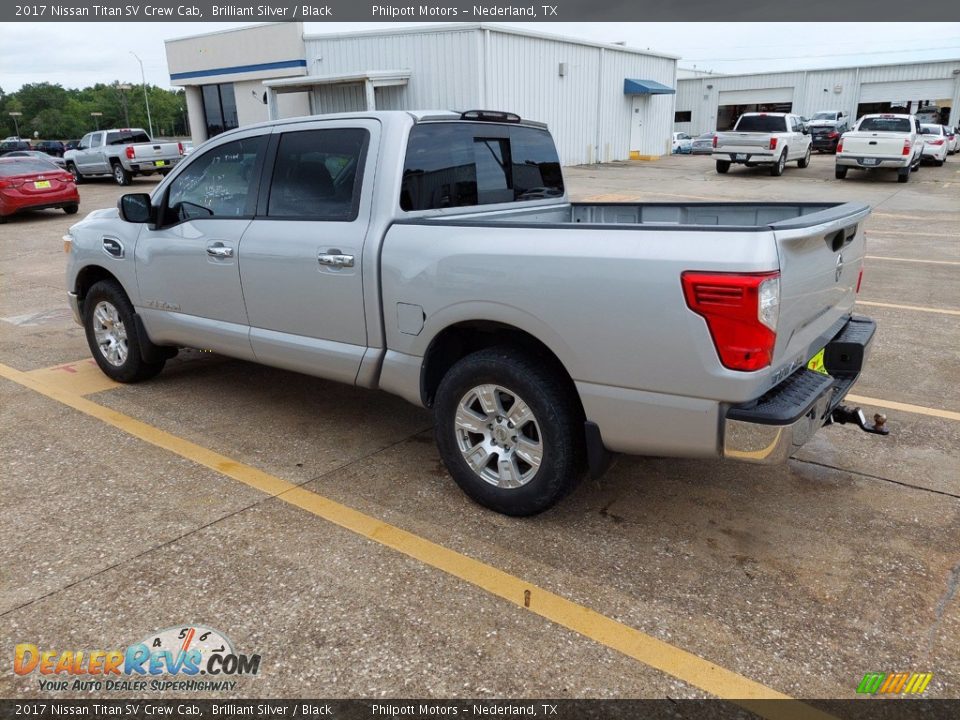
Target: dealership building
(602,102)
(708,102)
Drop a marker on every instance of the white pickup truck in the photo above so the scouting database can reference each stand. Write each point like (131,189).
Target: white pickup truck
(882,141)
(121,153)
(436,255)
(772,139)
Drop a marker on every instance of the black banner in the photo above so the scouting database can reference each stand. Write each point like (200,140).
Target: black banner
(404,709)
(481,11)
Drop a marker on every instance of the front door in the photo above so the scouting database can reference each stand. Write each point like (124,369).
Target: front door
(301,258)
(188,266)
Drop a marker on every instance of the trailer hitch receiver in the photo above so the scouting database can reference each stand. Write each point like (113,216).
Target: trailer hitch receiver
(843,414)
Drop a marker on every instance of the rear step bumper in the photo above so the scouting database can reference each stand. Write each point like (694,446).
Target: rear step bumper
(774,426)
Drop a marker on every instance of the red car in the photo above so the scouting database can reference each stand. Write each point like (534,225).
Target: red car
(34,184)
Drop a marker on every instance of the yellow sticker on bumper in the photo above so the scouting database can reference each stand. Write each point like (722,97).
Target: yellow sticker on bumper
(816,364)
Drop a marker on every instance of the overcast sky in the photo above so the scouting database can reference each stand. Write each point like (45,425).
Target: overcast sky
(81,54)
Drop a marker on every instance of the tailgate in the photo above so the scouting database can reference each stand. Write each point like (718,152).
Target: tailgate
(155,151)
(874,145)
(743,142)
(820,256)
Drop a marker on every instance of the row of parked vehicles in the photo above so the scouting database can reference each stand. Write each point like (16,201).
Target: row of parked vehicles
(878,141)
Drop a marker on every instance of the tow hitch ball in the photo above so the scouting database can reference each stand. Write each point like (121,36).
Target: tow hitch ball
(843,414)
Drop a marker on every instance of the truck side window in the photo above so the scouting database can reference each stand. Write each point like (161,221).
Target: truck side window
(318,174)
(463,164)
(221,183)
(96,140)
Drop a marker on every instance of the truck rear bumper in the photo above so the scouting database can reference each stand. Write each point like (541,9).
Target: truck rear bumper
(771,428)
(866,162)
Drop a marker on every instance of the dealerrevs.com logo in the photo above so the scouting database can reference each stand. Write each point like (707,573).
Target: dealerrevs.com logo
(172,659)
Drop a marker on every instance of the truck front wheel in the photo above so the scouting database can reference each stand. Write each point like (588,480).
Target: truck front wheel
(120,175)
(723,166)
(510,431)
(804,161)
(112,334)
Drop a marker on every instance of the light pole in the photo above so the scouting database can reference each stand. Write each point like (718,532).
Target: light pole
(122,88)
(96,118)
(146,100)
(16,125)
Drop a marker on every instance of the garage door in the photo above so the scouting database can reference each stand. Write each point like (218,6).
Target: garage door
(906,90)
(756,97)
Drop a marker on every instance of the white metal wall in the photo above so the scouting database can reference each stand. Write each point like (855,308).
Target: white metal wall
(461,69)
(832,89)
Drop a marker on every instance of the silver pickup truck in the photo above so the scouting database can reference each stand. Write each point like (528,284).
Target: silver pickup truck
(437,256)
(121,153)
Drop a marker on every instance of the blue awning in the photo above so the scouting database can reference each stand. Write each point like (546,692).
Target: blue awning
(646,87)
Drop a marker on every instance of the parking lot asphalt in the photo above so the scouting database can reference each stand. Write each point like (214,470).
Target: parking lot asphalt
(313,523)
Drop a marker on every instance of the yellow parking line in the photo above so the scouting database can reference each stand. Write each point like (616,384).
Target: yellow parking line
(913,260)
(82,377)
(905,407)
(685,666)
(919,308)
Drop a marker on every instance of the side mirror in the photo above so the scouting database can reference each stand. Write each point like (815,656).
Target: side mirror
(136,208)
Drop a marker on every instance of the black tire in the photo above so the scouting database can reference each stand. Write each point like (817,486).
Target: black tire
(723,166)
(805,160)
(121,176)
(556,418)
(77,177)
(132,368)
(777,168)
(840,173)
(71,209)
(938,163)
(903,175)
(3,219)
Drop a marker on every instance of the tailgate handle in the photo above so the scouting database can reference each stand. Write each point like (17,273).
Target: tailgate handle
(872,142)
(841,237)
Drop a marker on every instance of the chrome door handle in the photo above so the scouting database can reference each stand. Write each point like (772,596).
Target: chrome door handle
(335,259)
(219,251)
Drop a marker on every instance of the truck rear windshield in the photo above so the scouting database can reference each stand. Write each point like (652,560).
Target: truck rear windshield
(882,124)
(761,123)
(126,137)
(460,164)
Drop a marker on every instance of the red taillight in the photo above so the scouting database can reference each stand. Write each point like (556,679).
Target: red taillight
(906,147)
(935,142)
(741,311)
(773,143)
(180,147)
(833,135)
(840,146)
(130,152)
(10,184)
(714,140)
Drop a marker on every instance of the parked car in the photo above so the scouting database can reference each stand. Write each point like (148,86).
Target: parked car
(772,139)
(9,145)
(703,144)
(50,147)
(936,143)
(881,141)
(123,154)
(682,143)
(57,161)
(477,289)
(953,139)
(30,183)
(826,127)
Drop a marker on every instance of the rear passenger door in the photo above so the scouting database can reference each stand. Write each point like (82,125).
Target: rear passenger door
(300,259)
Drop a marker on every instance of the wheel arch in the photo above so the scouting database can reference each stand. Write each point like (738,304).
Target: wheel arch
(89,275)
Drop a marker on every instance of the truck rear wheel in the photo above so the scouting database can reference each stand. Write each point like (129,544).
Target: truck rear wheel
(510,431)
(903,175)
(113,336)
(840,173)
(723,166)
(777,168)
(120,174)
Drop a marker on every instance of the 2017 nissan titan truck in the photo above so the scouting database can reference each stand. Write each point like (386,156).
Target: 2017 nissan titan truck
(437,256)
